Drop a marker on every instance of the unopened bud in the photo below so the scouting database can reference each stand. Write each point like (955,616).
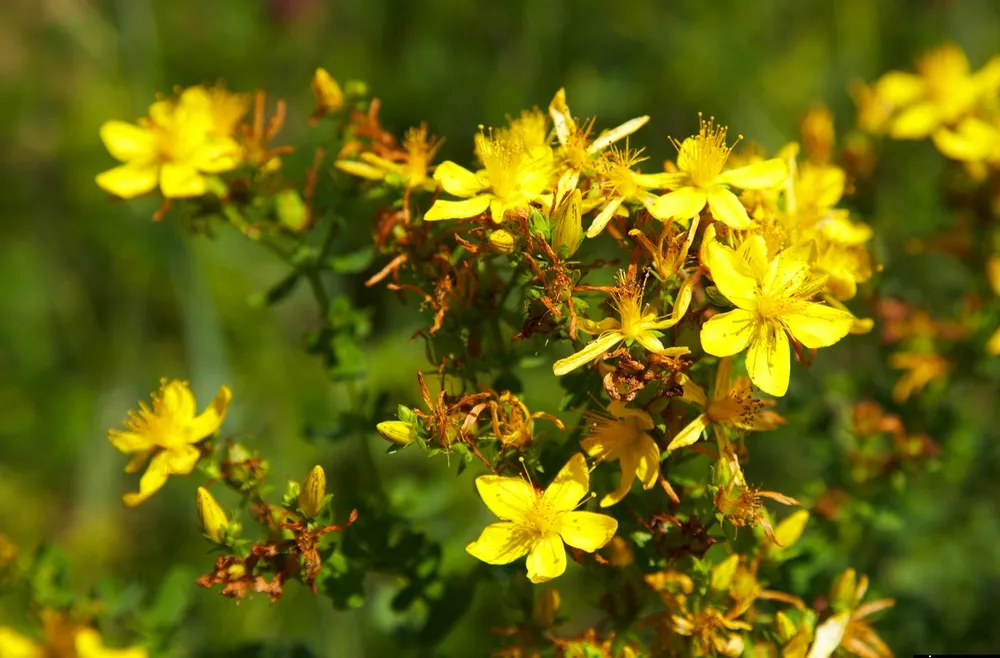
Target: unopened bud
(502,241)
(397,431)
(545,607)
(313,492)
(843,591)
(210,515)
(329,97)
(567,231)
(292,211)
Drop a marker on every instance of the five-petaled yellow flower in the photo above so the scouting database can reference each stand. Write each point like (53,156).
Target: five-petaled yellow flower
(638,323)
(624,437)
(167,432)
(537,523)
(703,179)
(732,405)
(173,148)
(771,296)
(620,184)
(513,176)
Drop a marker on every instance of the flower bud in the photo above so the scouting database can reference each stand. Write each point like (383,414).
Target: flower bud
(210,515)
(842,593)
(397,431)
(567,232)
(329,97)
(502,241)
(545,607)
(292,211)
(313,492)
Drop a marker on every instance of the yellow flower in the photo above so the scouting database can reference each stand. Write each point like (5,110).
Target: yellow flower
(512,177)
(167,432)
(703,179)
(771,296)
(576,151)
(174,147)
(623,437)
(412,172)
(620,184)
(329,97)
(537,524)
(943,90)
(921,369)
(732,405)
(638,323)
(62,639)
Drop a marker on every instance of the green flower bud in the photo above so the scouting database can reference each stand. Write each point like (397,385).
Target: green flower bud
(313,492)
(567,234)
(291,210)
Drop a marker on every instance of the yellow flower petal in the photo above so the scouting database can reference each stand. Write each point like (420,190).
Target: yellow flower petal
(604,217)
(732,275)
(179,460)
(138,460)
(129,181)
(647,468)
(609,137)
(993,344)
(817,325)
(459,181)
(509,498)
(15,645)
(361,169)
(650,342)
(88,644)
(501,543)
(208,421)
(757,176)
(729,333)
(898,88)
(594,350)
(152,481)
(570,484)
(129,442)
(726,208)
(916,122)
(691,391)
(179,181)
(127,142)
(684,203)
(547,560)
(586,530)
(769,359)
(723,378)
(690,434)
(177,400)
(216,156)
(754,252)
(973,140)
(628,462)
(443,209)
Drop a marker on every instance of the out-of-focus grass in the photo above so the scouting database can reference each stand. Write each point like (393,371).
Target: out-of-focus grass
(98,302)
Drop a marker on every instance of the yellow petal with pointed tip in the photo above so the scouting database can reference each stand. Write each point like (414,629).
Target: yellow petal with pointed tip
(757,176)
(129,181)
(443,209)
(817,325)
(570,484)
(457,180)
(501,543)
(594,350)
(207,422)
(509,498)
(127,142)
(690,434)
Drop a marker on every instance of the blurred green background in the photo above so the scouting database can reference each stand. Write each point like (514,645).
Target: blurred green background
(98,302)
